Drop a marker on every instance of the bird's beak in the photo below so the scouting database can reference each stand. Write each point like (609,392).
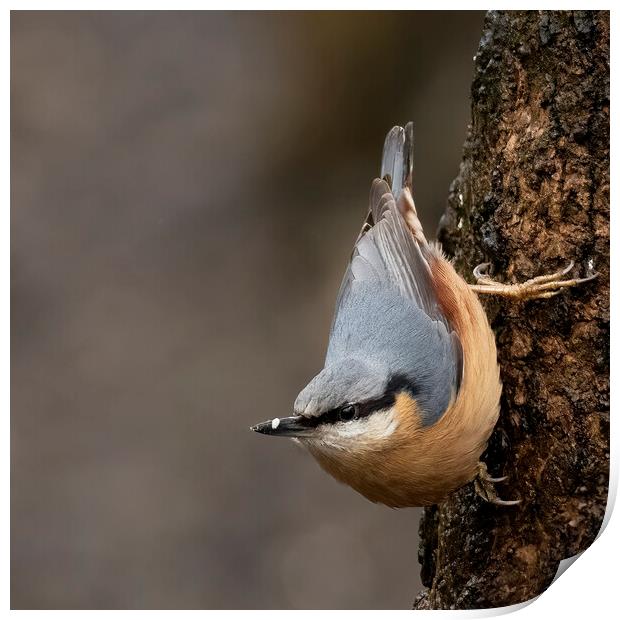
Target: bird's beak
(295,426)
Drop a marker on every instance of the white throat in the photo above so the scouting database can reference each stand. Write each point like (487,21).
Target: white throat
(367,432)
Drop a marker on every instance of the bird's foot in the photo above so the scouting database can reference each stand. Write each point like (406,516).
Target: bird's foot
(540,287)
(484,487)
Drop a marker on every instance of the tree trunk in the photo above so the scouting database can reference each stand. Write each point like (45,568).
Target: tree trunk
(532,194)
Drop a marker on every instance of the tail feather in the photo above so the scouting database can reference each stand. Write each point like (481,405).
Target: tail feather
(397,160)
(397,170)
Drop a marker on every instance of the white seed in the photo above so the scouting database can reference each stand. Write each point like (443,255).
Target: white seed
(275,423)
(460,224)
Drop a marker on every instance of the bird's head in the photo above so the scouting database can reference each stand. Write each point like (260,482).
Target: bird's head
(350,407)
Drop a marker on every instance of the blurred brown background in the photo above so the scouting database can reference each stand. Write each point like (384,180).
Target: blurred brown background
(185,192)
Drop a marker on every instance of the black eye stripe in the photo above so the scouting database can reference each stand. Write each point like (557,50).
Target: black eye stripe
(397,384)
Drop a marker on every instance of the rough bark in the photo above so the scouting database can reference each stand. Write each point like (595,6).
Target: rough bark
(532,194)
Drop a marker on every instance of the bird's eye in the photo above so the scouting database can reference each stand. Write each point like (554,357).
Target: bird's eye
(348,412)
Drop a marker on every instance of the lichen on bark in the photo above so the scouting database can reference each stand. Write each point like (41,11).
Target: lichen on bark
(532,194)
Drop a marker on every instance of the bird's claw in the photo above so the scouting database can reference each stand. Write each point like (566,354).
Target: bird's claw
(540,287)
(481,271)
(483,485)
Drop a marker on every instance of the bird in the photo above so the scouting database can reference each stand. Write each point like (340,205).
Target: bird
(410,389)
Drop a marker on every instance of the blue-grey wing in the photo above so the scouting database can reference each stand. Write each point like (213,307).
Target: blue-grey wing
(386,253)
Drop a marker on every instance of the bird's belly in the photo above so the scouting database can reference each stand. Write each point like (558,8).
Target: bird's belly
(392,479)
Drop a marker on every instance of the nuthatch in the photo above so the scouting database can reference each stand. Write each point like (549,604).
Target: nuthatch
(409,393)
